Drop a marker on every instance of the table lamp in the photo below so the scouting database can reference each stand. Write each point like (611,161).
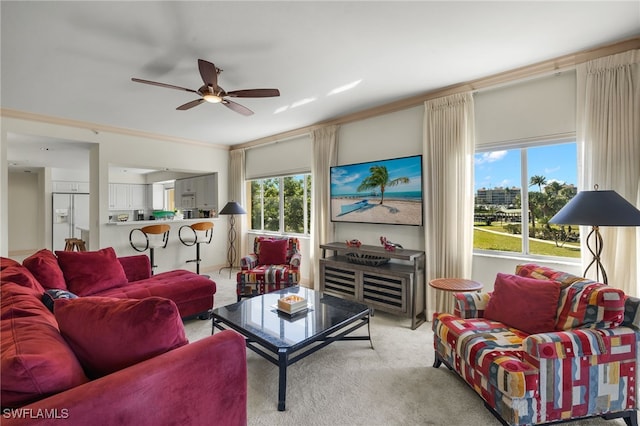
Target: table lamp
(232,208)
(595,209)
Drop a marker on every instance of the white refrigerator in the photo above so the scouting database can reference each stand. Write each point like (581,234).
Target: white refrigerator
(70,218)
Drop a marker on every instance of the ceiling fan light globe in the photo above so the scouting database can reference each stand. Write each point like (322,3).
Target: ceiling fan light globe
(214,99)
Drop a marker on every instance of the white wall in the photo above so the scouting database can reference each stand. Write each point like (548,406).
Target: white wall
(398,134)
(24,209)
(132,151)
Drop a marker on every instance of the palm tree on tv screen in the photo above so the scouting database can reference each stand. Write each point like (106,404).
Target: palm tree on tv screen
(379,177)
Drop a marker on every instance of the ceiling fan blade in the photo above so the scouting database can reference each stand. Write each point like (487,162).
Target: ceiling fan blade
(237,107)
(190,105)
(208,73)
(169,86)
(254,93)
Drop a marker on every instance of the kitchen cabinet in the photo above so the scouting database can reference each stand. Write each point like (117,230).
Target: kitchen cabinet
(207,192)
(199,192)
(138,196)
(126,196)
(156,195)
(68,186)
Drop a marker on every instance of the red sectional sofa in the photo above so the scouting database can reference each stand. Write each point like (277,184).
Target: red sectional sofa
(111,361)
(545,346)
(101,273)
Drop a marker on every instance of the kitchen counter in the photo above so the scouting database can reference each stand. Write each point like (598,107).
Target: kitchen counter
(161,221)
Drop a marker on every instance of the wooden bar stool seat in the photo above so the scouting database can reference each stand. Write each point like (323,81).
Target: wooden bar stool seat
(194,235)
(155,236)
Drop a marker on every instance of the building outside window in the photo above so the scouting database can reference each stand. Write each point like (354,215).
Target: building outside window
(281,204)
(541,176)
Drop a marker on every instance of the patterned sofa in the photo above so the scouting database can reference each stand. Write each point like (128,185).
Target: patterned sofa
(576,358)
(273,265)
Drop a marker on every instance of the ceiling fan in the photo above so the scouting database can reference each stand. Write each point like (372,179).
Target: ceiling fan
(211,92)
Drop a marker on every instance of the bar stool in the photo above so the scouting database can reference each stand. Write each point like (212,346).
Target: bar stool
(155,236)
(199,233)
(72,244)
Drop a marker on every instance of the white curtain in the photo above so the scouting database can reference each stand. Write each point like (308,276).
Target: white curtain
(448,163)
(608,132)
(325,154)
(237,193)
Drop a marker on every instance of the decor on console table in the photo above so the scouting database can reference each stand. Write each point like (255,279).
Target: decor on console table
(388,245)
(597,208)
(353,243)
(232,208)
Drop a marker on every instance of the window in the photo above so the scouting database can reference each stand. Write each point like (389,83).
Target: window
(281,204)
(548,175)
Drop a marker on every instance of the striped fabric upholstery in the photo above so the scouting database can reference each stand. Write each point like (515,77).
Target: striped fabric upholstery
(255,279)
(587,367)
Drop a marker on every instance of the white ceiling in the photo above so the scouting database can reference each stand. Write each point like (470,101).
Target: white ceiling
(75,60)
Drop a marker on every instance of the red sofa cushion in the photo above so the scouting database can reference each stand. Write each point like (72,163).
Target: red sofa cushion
(35,360)
(44,266)
(192,293)
(91,272)
(5,262)
(20,275)
(137,267)
(110,334)
(273,252)
(527,304)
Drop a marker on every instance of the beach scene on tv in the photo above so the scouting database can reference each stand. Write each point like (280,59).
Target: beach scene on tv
(385,191)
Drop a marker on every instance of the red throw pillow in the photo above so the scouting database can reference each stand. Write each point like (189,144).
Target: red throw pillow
(273,252)
(109,334)
(5,262)
(44,266)
(90,272)
(36,361)
(528,304)
(21,276)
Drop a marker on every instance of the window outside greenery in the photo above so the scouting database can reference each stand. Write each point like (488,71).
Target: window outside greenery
(281,204)
(548,173)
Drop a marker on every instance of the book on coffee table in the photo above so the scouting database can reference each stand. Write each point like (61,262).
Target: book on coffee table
(291,304)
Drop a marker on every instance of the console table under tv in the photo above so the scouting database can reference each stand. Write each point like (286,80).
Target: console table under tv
(391,281)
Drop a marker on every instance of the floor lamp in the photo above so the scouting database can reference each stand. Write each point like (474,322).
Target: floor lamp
(232,208)
(596,209)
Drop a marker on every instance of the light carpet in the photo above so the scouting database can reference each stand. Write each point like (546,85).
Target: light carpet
(348,383)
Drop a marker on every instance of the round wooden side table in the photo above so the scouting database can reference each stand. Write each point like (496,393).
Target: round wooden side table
(455,284)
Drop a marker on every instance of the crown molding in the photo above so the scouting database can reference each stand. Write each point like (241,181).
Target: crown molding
(538,69)
(98,128)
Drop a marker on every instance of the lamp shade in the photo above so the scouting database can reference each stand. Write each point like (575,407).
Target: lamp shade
(598,208)
(232,208)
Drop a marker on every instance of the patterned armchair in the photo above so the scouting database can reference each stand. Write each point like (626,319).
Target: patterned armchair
(273,265)
(585,365)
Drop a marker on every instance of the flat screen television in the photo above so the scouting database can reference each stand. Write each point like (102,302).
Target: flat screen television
(384,191)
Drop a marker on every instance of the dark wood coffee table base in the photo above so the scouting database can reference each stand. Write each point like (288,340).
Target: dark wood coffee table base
(347,318)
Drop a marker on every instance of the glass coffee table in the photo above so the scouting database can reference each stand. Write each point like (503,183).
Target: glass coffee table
(284,339)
